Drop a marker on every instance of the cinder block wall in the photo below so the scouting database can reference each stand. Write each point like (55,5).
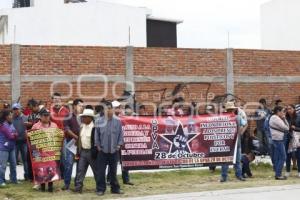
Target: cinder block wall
(249,74)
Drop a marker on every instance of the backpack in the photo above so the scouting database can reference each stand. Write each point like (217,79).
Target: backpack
(266,127)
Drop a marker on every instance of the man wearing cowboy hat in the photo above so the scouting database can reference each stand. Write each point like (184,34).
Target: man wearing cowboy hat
(241,125)
(86,149)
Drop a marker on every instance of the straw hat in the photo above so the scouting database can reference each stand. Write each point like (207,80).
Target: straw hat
(230,106)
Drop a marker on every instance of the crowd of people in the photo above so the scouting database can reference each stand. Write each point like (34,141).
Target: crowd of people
(277,134)
(98,146)
(99,138)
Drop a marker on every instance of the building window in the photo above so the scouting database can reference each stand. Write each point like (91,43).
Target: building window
(161,33)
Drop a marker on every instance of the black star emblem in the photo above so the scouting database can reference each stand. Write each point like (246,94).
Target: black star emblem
(179,141)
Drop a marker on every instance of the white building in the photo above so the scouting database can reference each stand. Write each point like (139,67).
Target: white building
(280,25)
(92,23)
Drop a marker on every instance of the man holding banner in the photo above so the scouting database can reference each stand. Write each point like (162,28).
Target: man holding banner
(241,127)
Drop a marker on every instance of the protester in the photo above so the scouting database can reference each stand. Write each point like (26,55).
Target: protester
(267,131)
(8,136)
(89,107)
(118,108)
(176,108)
(72,130)
(261,114)
(292,152)
(99,110)
(108,139)
(58,112)
(28,110)
(33,118)
(128,112)
(19,122)
(278,102)
(241,127)
(87,151)
(44,123)
(246,160)
(279,127)
(142,111)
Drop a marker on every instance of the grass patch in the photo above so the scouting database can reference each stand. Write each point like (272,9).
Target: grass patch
(178,181)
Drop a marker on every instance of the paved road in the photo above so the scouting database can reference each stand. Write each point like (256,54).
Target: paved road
(262,193)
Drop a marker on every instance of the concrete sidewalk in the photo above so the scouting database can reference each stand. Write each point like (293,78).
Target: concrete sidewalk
(264,193)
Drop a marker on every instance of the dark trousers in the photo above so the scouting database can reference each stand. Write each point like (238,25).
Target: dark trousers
(21,147)
(84,162)
(50,187)
(125,173)
(289,158)
(30,173)
(111,160)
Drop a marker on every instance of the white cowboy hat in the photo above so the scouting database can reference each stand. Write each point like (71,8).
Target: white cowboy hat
(88,113)
(230,106)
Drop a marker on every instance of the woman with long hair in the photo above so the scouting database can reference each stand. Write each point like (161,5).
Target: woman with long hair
(279,127)
(8,136)
(292,153)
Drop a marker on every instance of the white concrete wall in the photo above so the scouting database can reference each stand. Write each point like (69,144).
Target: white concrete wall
(280,25)
(51,22)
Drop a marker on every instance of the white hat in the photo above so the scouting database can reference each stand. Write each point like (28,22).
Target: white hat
(209,107)
(230,106)
(88,113)
(115,104)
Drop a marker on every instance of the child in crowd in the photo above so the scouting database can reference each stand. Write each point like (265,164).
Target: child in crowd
(246,160)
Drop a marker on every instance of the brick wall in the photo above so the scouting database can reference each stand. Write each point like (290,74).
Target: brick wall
(154,62)
(56,60)
(181,62)
(5,69)
(266,63)
(5,59)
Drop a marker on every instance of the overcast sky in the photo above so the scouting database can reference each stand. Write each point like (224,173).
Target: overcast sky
(206,22)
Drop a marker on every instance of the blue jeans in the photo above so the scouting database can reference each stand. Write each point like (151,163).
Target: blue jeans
(68,161)
(22,148)
(12,165)
(237,165)
(8,156)
(3,163)
(279,157)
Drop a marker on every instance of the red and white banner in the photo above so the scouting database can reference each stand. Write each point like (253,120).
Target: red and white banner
(178,142)
(45,151)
